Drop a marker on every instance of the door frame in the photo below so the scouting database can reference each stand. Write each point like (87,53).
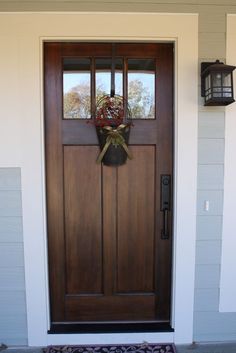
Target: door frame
(69,299)
(38,28)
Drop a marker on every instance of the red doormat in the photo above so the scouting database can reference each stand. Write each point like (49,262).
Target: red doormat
(134,348)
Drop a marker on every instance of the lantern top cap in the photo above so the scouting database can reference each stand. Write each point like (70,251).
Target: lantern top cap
(207,67)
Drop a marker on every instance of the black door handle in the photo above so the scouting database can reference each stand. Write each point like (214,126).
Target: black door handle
(165,204)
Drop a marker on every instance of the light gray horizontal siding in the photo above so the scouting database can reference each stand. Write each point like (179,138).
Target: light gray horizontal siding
(211,151)
(12,255)
(131,5)
(215,23)
(209,227)
(10,203)
(217,337)
(10,179)
(209,223)
(210,177)
(207,276)
(114,1)
(12,303)
(11,230)
(191,3)
(13,329)
(213,44)
(208,252)
(208,322)
(215,198)
(12,279)
(206,299)
(180,2)
(211,124)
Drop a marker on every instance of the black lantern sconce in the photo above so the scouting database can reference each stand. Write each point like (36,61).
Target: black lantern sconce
(217,83)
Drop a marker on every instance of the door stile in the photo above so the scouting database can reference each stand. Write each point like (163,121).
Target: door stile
(54,178)
(165,166)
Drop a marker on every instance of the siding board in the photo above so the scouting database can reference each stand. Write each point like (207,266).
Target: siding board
(210,177)
(9,178)
(211,129)
(206,299)
(211,151)
(207,276)
(11,255)
(11,230)
(215,199)
(211,124)
(113,1)
(12,303)
(212,20)
(209,227)
(12,279)
(98,6)
(10,203)
(208,322)
(13,329)
(208,252)
(201,3)
(212,44)
(218,337)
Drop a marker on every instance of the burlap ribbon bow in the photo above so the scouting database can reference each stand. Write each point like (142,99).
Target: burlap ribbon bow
(115,138)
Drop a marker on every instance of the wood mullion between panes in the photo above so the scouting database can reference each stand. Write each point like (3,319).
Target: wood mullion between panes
(93,87)
(125,80)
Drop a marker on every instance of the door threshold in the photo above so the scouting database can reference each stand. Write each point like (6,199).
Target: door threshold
(108,327)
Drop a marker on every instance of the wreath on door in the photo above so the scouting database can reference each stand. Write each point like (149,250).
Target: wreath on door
(113,123)
(112,120)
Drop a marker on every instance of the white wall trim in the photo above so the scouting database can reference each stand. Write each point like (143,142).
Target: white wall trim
(228,261)
(28,31)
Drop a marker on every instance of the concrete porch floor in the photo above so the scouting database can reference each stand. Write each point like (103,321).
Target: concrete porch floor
(195,348)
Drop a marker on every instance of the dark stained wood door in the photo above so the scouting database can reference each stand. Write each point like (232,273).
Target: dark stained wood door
(109,266)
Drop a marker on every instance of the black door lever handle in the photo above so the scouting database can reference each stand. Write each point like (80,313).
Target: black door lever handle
(165,232)
(165,204)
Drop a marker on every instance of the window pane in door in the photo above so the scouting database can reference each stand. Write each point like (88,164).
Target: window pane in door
(76,88)
(141,88)
(103,77)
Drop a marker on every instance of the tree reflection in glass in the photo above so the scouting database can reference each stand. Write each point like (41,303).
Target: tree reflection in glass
(141,88)
(76,88)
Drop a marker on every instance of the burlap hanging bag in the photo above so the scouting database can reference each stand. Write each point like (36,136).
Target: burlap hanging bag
(113,143)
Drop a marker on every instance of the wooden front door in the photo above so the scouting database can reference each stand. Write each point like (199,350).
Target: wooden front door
(109,254)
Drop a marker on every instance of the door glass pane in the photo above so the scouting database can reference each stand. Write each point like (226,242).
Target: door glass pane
(216,84)
(141,88)
(208,88)
(227,90)
(76,88)
(103,77)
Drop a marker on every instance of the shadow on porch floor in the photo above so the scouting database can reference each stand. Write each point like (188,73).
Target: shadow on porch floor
(195,348)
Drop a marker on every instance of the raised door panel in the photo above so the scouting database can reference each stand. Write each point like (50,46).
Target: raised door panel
(136,222)
(83,224)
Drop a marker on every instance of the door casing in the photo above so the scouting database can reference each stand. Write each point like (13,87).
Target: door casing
(49,26)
